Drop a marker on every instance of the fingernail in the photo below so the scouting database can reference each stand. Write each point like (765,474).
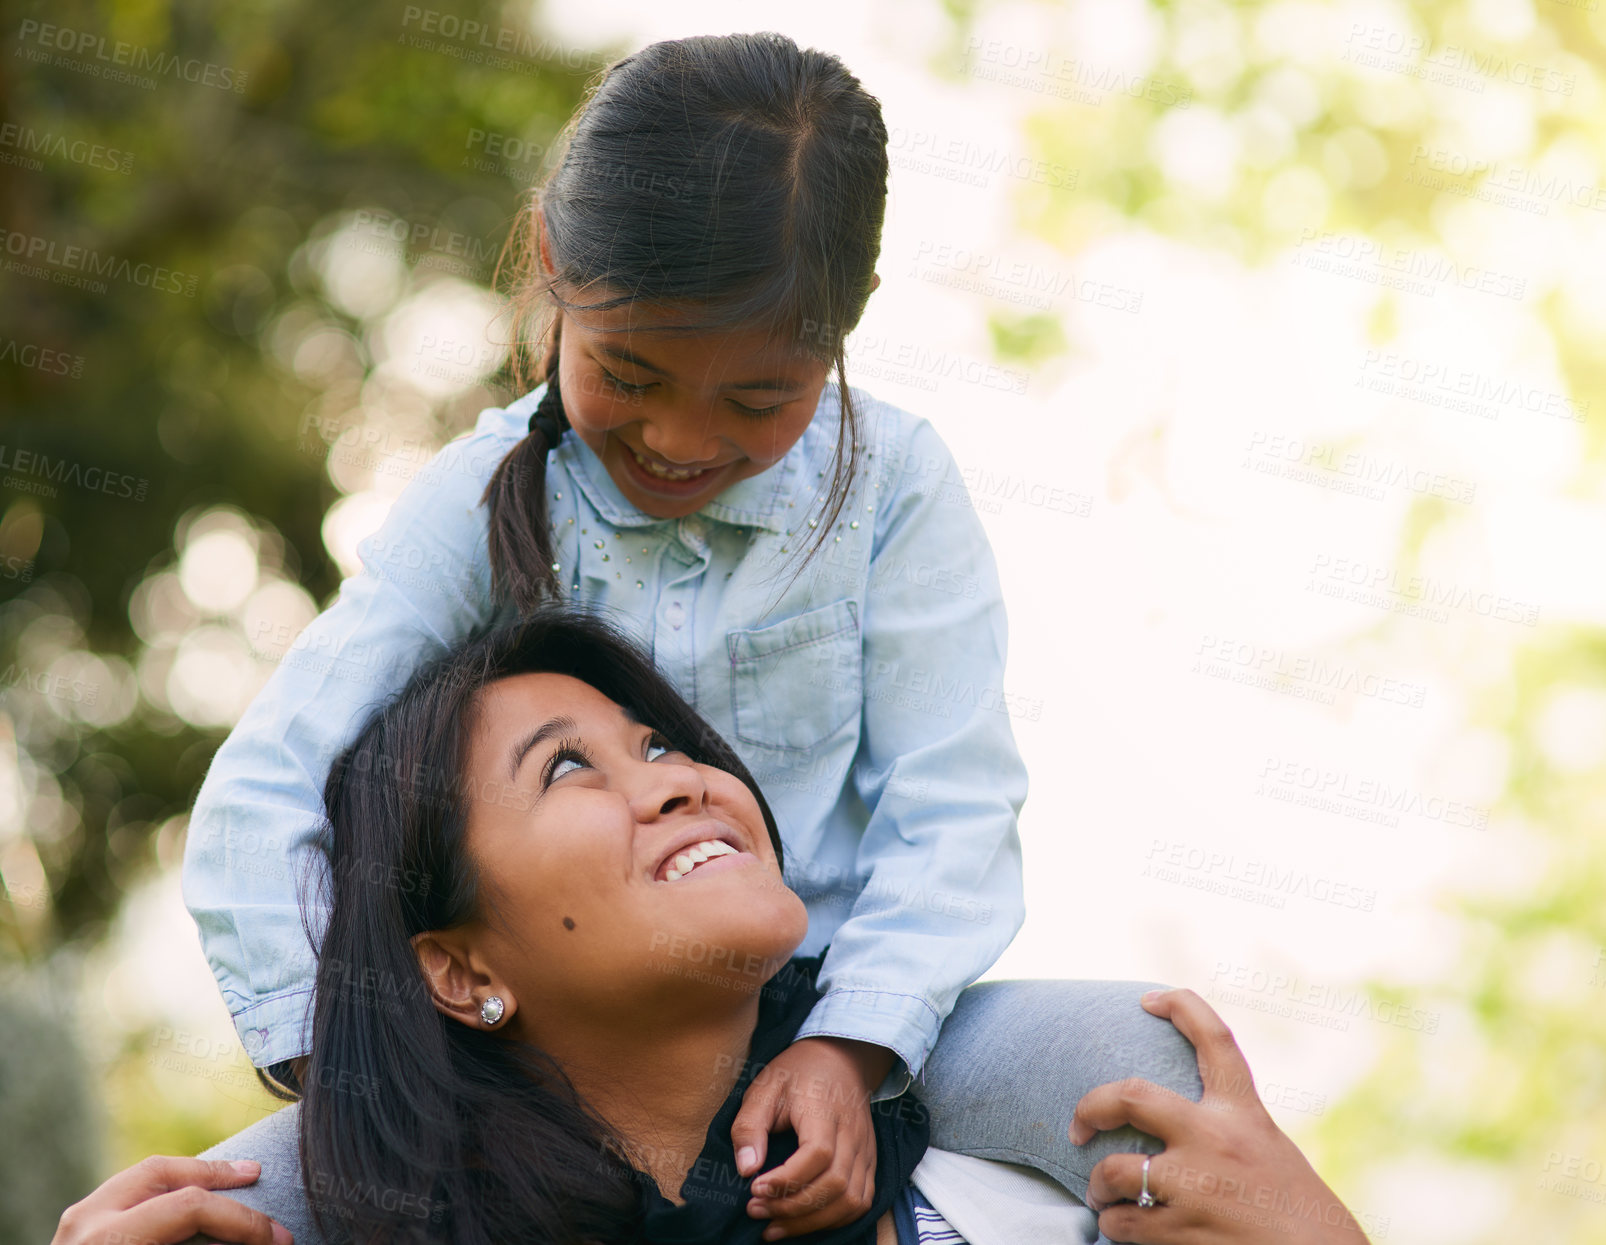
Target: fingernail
(281,1235)
(246,1167)
(758,1210)
(746,1159)
(773,1234)
(1078,1133)
(1151,996)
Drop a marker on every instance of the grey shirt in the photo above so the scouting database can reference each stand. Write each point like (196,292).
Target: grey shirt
(275,1143)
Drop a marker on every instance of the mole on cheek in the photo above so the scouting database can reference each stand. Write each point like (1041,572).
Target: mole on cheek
(568,922)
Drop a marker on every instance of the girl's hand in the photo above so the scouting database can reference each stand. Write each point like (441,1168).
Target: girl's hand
(1227,1172)
(820,1087)
(162,1201)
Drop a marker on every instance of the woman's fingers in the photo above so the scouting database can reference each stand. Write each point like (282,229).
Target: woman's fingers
(1155,1225)
(1116,1178)
(179,1215)
(1154,1109)
(164,1200)
(161,1173)
(1112,1191)
(1222,1066)
(1227,1172)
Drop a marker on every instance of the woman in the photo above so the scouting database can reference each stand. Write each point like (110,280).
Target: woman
(559,948)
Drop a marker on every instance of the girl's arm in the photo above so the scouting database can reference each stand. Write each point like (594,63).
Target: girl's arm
(937,767)
(425,583)
(938,771)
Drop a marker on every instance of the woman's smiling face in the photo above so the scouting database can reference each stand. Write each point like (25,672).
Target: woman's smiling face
(585,907)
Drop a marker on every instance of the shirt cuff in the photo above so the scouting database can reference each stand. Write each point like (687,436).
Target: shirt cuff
(905,1024)
(275,1028)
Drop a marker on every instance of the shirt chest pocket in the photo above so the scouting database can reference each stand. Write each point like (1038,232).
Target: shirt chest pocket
(797,682)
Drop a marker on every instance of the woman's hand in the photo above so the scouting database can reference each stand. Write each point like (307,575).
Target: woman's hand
(1227,1172)
(163,1201)
(820,1087)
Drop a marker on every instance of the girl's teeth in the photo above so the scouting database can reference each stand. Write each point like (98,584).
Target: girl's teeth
(663,473)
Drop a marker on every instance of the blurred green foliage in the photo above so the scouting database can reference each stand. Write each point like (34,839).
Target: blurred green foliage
(49,1124)
(176,391)
(134,406)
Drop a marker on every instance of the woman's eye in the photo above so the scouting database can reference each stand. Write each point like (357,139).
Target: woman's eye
(758,412)
(660,746)
(565,760)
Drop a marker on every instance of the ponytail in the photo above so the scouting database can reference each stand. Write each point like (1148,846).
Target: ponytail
(522,566)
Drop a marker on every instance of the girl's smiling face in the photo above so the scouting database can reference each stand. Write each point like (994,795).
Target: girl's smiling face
(677,417)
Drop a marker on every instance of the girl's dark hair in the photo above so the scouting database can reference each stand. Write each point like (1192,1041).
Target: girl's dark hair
(738,175)
(415,1127)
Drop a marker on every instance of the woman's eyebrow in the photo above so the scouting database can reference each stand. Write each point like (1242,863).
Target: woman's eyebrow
(769,382)
(629,716)
(652,731)
(545,731)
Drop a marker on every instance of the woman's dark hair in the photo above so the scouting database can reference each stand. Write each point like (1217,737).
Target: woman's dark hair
(415,1127)
(738,175)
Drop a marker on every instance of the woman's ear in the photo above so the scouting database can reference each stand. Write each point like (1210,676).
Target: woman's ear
(458,988)
(875,280)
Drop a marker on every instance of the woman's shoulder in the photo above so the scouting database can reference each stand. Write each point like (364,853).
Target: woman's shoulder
(274,1142)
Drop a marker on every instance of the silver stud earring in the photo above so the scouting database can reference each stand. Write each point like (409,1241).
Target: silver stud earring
(491,1010)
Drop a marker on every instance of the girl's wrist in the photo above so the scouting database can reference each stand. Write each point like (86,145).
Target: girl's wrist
(872,1061)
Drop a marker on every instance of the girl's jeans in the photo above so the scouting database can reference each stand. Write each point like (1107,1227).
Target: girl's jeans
(1014,1057)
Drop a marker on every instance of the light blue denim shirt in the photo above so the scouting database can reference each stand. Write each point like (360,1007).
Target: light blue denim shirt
(865,694)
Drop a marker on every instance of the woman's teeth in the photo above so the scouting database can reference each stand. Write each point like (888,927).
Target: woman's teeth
(666,473)
(694,855)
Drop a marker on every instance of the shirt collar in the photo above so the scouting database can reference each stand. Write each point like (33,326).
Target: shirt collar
(759,501)
(714,1211)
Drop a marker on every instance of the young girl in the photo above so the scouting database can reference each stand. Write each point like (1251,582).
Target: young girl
(782,548)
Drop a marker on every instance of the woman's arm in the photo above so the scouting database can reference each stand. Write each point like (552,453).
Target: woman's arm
(1227,1172)
(164,1201)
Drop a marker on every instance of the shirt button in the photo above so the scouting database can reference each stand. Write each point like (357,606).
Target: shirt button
(675,614)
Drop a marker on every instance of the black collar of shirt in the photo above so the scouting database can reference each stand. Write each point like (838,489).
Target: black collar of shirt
(716,1195)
